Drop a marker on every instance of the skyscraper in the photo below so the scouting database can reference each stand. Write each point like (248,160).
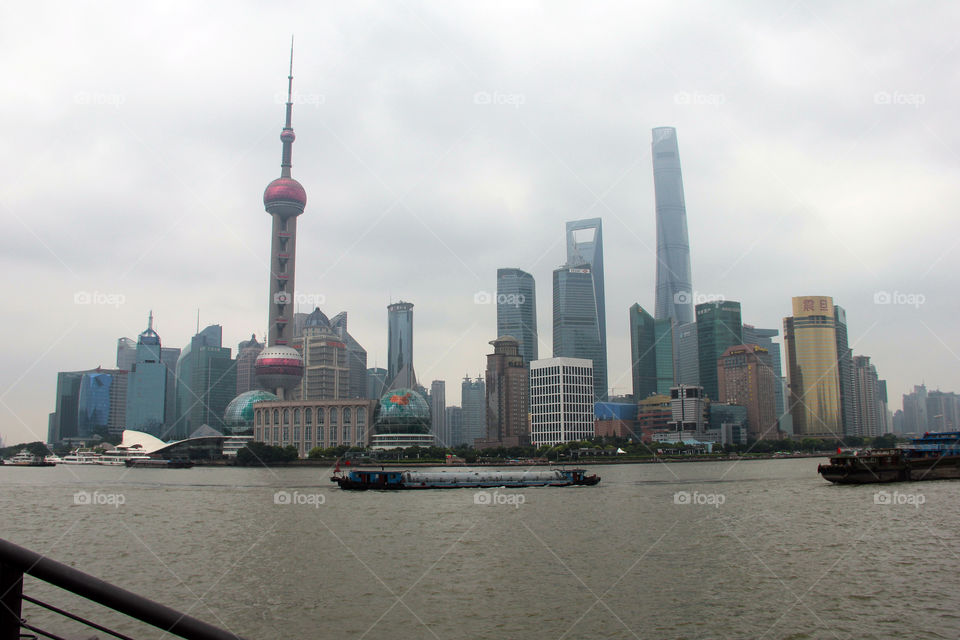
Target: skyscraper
(517,310)
(376,382)
(279,366)
(247,352)
(764,338)
(719,327)
(206,382)
(651,353)
(438,413)
(561,400)
(474,402)
(507,395)
(674,284)
(147,385)
(688,361)
(746,378)
(866,403)
(400,373)
(846,375)
(126,353)
(579,302)
(356,357)
(454,420)
(810,342)
(325,372)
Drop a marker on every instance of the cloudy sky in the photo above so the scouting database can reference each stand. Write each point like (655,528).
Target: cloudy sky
(440,141)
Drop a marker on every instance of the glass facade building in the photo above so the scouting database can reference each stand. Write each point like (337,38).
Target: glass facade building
(719,327)
(400,346)
(810,343)
(93,404)
(849,409)
(473,400)
(517,310)
(674,285)
(206,383)
(651,353)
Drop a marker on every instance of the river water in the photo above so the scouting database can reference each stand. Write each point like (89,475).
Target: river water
(761,549)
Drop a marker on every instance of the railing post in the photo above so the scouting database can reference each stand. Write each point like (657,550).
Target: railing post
(11,592)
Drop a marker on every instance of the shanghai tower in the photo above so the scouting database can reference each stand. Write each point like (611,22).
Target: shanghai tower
(674,298)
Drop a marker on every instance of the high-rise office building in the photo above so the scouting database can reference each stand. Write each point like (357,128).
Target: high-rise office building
(94,404)
(517,310)
(454,420)
(561,400)
(356,357)
(687,407)
(147,386)
(438,413)
(326,375)
(674,283)
(400,374)
(810,343)
(687,365)
(376,382)
(846,375)
(474,410)
(579,301)
(247,352)
(279,367)
(866,405)
(126,353)
(746,377)
(764,338)
(507,395)
(206,382)
(651,353)
(719,327)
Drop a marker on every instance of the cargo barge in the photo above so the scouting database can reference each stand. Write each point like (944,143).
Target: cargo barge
(364,479)
(935,456)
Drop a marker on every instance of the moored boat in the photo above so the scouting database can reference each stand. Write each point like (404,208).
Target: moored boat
(26,459)
(363,479)
(935,456)
(156,463)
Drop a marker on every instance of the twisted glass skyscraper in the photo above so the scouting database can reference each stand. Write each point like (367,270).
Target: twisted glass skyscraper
(674,286)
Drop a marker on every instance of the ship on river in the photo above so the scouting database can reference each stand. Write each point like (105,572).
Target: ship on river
(363,479)
(935,456)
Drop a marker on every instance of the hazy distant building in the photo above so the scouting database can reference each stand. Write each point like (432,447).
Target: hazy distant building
(865,397)
(746,378)
(651,353)
(915,410)
(126,353)
(474,405)
(764,338)
(943,411)
(400,372)
(674,296)
(561,400)
(438,412)
(517,310)
(356,357)
(846,376)
(886,419)
(247,352)
(206,382)
(688,358)
(507,396)
(454,420)
(376,382)
(810,343)
(719,327)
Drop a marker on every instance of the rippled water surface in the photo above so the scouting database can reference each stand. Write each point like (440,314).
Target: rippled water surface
(695,550)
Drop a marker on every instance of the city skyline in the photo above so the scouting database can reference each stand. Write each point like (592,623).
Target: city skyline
(764,198)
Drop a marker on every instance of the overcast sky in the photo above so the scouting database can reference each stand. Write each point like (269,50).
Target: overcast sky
(439,141)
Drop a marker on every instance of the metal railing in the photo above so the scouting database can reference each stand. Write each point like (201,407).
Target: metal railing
(16,561)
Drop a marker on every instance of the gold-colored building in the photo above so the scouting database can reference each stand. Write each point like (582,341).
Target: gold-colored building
(810,342)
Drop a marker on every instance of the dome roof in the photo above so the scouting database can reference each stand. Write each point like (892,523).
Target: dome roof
(402,411)
(285,193)
(239,412)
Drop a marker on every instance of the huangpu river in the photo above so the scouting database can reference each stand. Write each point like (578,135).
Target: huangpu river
(761,549)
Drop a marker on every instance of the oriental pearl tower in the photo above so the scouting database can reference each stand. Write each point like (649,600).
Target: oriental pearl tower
(279,367)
